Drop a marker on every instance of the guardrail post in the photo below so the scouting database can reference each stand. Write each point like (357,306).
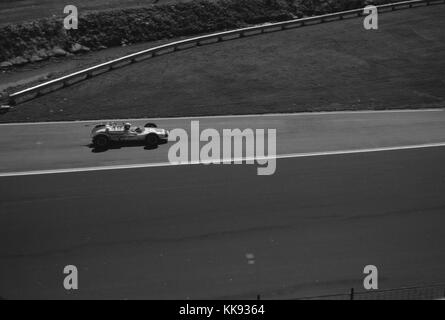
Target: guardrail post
(5,98)
(4,108)
(351,295)
(6,101)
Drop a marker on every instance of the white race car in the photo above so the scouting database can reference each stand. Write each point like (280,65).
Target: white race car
(103,135)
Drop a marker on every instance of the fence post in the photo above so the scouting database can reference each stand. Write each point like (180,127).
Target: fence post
(352,294)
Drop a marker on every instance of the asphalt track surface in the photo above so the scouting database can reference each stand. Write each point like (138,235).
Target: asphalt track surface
(50,146)
(187,231)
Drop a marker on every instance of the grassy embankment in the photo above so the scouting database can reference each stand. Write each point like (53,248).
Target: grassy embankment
(334,66)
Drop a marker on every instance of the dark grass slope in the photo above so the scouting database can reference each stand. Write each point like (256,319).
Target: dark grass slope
(335,66)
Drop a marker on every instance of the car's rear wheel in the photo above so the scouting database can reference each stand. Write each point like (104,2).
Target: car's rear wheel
(152,140)
(101,141)
(150,125)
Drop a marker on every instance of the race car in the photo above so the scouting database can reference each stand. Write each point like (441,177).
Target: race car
(103,135)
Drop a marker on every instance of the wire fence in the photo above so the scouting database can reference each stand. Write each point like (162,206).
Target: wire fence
(432,292)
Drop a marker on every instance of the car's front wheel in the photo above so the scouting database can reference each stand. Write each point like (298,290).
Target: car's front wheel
(101,141)
(152,140)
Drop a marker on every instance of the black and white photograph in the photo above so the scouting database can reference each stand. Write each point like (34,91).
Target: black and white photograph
(226,158)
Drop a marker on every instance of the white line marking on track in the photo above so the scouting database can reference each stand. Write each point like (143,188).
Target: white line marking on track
(167,164)
(295,114)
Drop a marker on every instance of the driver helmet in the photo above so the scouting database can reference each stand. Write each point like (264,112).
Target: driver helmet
(127,126)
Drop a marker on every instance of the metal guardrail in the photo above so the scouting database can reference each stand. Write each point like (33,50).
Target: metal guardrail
(65,81)
(432,292)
